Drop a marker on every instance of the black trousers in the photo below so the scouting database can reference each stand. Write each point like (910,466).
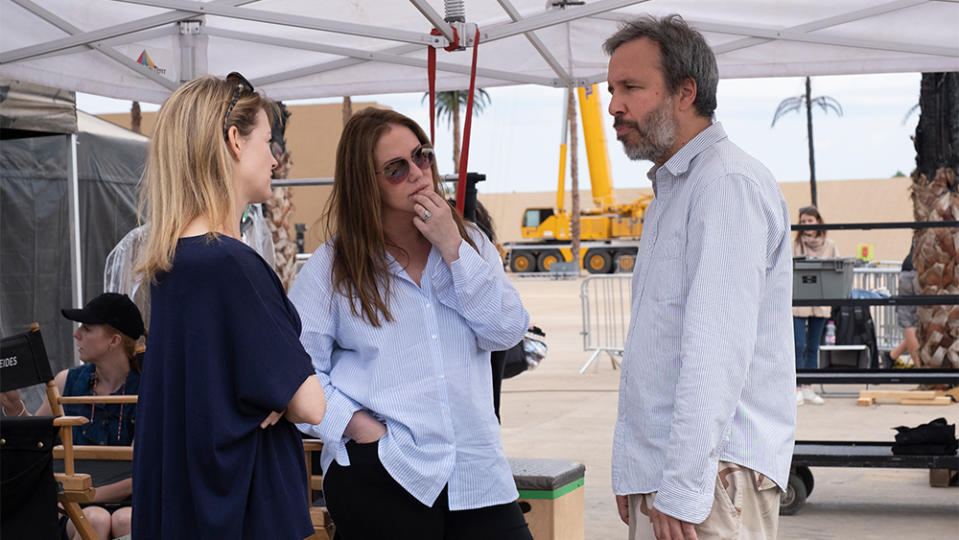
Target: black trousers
(367,504)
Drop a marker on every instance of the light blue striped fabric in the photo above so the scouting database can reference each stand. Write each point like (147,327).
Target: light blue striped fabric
(426,375)
(708,369)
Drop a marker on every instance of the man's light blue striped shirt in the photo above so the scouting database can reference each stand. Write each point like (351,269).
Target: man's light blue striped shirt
(708,369)
(426,375)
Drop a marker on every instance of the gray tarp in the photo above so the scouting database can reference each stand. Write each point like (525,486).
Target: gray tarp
(34,225)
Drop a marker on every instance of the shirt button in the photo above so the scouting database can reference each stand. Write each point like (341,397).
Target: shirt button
(433,336)
(442,376)
(428,305)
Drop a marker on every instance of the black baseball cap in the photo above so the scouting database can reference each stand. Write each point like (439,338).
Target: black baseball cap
(114,309)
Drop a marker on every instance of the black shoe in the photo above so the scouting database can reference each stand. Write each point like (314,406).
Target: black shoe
(887,360)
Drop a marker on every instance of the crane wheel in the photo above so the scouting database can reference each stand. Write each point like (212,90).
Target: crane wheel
(546,260)
(521,262)
(598,262)
(625,261)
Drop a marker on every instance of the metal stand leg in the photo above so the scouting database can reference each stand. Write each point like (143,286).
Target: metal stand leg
(614,360)
(589,362)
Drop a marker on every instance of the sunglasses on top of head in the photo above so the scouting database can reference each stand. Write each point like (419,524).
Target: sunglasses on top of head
(240,85)
(398,170)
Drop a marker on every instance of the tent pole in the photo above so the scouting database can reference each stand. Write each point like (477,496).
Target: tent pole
(73,203)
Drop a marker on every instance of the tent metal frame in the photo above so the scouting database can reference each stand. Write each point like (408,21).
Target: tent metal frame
(194,12)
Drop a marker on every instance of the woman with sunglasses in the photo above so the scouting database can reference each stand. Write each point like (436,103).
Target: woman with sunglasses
(401,308)
(225,377)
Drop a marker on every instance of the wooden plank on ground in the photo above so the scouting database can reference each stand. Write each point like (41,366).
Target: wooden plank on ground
(898,394)
(940,400)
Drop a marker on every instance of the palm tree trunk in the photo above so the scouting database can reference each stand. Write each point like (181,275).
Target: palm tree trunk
(935,255)
(812,154)
(574,225)
(347,109)
(136,117)
(456,132)
(279,211)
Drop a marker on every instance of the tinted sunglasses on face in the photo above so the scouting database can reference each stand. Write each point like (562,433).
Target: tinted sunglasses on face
(398,170)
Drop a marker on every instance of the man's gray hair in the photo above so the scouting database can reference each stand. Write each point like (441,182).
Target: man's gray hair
(683,54)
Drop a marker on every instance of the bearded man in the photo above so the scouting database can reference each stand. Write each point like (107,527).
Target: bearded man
(707,412)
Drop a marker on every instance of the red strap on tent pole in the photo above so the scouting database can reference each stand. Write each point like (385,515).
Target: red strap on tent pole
(431,77)
(464,155)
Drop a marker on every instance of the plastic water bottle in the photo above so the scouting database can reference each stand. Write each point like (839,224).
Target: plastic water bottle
(830,333)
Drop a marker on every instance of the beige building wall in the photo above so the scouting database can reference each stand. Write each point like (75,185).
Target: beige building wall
(312,135)
(844,201)
(314,132)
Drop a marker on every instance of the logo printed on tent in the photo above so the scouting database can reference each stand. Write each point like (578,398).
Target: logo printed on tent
(145,60)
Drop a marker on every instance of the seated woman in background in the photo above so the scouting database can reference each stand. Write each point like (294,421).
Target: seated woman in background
(106,344)
(401,308)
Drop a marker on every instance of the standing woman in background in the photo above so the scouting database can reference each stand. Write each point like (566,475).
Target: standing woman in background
(216,454)
(808,322)
(401,308)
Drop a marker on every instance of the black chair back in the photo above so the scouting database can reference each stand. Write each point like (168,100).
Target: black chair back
(23,361)
(28,492)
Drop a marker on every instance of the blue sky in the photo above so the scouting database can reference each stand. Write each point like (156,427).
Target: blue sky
(516,140)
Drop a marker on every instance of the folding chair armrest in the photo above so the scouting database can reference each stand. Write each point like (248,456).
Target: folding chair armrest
(312,445)
(70,421)
(102,453)
(106,400)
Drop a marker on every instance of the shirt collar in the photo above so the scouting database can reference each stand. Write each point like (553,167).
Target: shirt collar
(679,163)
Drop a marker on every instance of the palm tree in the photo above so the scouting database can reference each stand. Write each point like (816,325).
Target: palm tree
(935,198)
(448,105)
(795,104)
(347,109)
(574,224)
(279,209)
(136,117)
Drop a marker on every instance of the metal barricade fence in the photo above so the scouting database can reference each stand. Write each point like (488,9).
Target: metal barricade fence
(605,301)
(884,278)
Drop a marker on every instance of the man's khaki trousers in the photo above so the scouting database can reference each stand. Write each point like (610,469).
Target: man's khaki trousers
(745,507)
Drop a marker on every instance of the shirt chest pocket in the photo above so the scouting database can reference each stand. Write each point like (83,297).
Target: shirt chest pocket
(667,269)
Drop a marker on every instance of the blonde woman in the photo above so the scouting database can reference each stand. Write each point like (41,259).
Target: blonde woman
(225,375)
(401,309)
(809,322)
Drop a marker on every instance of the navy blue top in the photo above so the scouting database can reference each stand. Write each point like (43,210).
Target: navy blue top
(224,352)
(110,425)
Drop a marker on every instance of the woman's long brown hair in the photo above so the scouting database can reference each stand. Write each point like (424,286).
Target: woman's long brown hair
(354,214)
(810,211)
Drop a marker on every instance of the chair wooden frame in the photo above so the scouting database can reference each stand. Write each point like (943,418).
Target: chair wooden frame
(73,487)
(78,487)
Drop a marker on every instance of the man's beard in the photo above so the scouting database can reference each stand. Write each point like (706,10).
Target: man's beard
(656,134)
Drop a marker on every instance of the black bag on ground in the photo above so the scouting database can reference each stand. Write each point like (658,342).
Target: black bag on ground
(854,326)
(935,438)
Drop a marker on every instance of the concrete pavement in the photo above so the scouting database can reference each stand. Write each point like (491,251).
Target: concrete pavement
(553,412)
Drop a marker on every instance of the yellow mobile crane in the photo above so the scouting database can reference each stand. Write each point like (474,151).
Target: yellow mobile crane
(609,232)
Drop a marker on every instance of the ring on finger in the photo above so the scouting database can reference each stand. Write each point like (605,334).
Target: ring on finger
(426,215)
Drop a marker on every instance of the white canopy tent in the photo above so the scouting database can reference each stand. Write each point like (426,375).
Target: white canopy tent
(143,49)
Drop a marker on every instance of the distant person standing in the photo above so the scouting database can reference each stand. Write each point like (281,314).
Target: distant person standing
(906,316)
(706,421)
(808,322)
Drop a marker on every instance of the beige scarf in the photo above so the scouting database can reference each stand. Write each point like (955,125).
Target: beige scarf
(813,246)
